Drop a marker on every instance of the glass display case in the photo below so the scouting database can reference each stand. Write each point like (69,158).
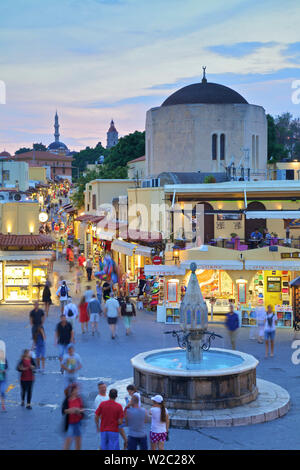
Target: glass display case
(39,277)
(17,283)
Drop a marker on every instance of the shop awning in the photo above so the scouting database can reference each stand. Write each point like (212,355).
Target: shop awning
(214,264)
(284,265)
(25,255)
(102,235)
(163,270)
(272,214)
(86,218)
(143,250)
(123,247)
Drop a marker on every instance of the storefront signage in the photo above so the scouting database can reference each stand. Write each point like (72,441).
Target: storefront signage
(296,254)
(156,260)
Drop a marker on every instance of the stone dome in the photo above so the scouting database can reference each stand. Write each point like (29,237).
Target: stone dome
(57,145)
(204,93)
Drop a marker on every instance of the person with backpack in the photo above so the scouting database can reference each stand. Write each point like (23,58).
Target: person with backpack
(270,329)
(71,312)
(89,268)
(127,312)
(94,310)
(72,409)
(62,293)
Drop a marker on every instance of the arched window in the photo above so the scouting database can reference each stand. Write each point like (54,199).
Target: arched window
(214,145)
(222,147)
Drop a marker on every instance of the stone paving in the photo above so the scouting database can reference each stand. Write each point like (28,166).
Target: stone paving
(103,358)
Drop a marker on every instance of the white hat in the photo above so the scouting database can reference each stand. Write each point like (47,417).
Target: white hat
(157,399)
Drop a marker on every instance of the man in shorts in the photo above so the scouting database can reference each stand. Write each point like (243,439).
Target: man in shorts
(94,310)
(111,415)
(112,311)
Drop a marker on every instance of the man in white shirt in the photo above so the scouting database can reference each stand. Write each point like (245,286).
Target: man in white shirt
(88,295)
(71,312)
(102,395)
(112,311)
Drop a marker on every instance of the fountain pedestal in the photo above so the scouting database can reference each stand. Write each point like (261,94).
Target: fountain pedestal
(194,351)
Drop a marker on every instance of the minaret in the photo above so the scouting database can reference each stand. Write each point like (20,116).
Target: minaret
(112,135)
(56,127)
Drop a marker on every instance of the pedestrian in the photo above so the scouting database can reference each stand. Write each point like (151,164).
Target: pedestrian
(26,366)
(88,295)
(159,423)
(232,325)
(99,291)
(64,335)
(81,261)
(112,311)
(89,269)
(135,418)
(78,276)
(102,394)
(62,293)
(132,391)
(106,290)
(260,323)
(3,369)
(270,329)
(36,317)
(111,415)
(127,312)
(83,315)
(72,409)
(39,344)
(71,364)
(71,260)
(71,312)
(76,251)
(46,298)
(94,310)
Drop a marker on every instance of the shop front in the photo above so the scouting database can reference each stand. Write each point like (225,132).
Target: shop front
(23,275)
(258,277)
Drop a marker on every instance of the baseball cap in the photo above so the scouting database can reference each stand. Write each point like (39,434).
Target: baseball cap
(157,399)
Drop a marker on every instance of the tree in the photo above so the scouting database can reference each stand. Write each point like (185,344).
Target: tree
(209,179)
(22,150)
(128,148)
(40,147)
(276,150)
(88,156)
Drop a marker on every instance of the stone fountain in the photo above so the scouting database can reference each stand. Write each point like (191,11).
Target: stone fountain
(199,377)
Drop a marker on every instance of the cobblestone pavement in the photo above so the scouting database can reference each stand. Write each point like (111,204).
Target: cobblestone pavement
(103,358)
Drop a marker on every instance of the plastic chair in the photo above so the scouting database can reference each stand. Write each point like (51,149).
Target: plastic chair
(241,247)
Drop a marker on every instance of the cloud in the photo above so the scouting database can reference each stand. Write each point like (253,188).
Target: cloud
(239,49)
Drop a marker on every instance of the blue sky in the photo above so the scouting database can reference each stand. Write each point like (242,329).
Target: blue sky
(94,60)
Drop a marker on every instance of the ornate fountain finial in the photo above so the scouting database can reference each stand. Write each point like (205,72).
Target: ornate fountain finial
(204,77)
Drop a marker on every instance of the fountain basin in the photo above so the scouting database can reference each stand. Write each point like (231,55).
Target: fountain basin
(228,383)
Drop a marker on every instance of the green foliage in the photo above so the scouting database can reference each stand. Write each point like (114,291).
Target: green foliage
(283,137)
(22,150)
(209,179)
(40,146)
(115,163)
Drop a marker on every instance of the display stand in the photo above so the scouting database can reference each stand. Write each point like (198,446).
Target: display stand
(284,315)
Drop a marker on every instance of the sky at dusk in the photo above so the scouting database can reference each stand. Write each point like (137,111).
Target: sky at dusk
(94,60)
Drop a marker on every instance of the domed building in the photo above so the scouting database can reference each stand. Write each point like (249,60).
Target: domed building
(4,155)
(57,146)
(205,127)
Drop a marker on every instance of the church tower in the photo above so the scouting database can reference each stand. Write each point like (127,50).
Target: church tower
(112,135)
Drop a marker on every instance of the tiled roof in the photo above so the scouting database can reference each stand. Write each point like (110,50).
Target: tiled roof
(140,159)
(89,218)
(40,155)
(25,241)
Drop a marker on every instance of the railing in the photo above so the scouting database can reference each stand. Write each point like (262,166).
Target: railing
(248,244)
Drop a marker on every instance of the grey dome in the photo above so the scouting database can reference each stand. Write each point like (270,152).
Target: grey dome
(204,93)
(57,145)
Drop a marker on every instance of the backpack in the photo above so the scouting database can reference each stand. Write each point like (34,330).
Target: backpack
(63,291)
(70,312)
(270,320)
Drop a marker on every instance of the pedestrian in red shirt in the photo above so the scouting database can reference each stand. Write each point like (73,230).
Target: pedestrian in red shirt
(111,415)
(84,317)
(26,366)
(72,409)
(81,261)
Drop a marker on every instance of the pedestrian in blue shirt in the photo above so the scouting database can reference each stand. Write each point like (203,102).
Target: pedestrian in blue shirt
(232,324)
